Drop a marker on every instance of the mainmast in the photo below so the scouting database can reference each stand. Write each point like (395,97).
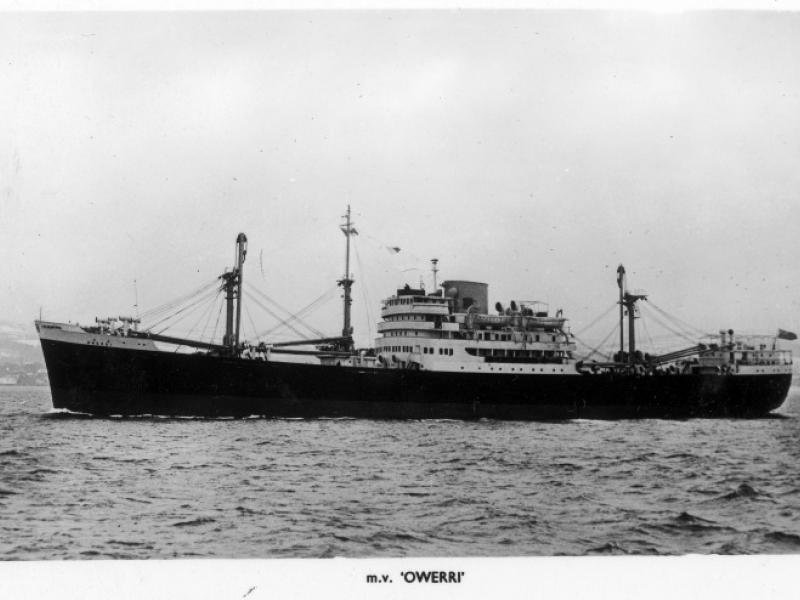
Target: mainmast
(347,281)
(627,301)
(621,284)
(241,252)
(232,283)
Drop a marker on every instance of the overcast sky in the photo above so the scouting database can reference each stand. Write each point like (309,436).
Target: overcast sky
(533,150)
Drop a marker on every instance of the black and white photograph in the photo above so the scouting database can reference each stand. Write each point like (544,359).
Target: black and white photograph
(453,289)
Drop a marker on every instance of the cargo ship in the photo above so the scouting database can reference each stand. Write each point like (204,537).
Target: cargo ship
(439,354)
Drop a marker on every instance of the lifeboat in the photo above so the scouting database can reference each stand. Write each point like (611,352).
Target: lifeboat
(519,321)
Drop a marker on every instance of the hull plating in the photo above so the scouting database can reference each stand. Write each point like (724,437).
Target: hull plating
(116,381)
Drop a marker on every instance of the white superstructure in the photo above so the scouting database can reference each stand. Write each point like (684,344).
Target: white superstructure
(451,331)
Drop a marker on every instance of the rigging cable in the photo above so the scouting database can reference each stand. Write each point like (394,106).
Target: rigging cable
(389,247)
(296,317)
(312,306)
(180,310)
(595,321)
(216,324)
(647,332)
(210,314)
(392,249)
(677,321)
(163,313)
(364,294)
(259,304)
(252,324)
(291,317)
(194,304)
(208,310)
(675,332)
(167,306)
(190,310)
(596,350)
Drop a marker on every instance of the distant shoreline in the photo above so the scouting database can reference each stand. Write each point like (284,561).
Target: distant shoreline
(16,385)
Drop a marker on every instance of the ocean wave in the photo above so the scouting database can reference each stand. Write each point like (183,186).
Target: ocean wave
(130,543)
(686,522)
(59,414)
(612,548)
(243,510)
(194,522)
(681,455)
(792,540)
(139,500)
(745,491)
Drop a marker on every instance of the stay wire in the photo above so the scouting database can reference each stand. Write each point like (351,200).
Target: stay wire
(210,314)
(296,317)
(319,301)
(671,328)
(595,321)
(675,332)
(252,324)
(200,300)
(678,321)
(596,350)
(275,316)
(186,311)
(172,315)
(208,310)
(291,317)
(647,333)
(216,324)
(153,312)
(364,294)
(159,315)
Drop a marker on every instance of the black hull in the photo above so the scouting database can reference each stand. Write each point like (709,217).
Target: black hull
(114,381)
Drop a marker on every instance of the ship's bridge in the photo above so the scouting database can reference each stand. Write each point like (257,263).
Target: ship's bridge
(415,302)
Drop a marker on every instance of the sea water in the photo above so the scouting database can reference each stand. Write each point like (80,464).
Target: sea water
(81,488)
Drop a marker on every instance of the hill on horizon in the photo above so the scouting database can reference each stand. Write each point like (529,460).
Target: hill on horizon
(19,343)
